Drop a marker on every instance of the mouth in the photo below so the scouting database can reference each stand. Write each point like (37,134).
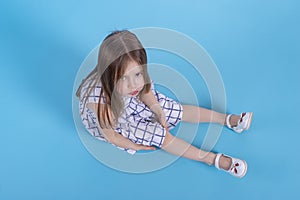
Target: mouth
(134,93)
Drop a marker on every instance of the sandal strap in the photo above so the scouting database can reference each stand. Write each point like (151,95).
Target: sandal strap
(227,121)
(217,160)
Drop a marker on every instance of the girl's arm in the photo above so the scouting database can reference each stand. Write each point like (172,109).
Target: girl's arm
(151,102)
(115,138)
(119,140)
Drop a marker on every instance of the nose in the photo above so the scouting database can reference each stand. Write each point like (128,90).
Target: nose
(131,83)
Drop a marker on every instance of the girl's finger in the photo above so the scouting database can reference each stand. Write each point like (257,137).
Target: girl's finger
(150,148)
(166,127)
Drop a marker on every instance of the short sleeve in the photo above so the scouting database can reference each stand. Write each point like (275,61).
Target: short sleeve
(94,95)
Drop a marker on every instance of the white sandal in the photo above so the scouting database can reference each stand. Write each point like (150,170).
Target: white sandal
(238,167)
(243,124)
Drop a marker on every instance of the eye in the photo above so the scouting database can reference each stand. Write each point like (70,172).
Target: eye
(138,74)
(123,78)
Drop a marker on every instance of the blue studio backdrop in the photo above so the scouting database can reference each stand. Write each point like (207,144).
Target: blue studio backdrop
(255,45)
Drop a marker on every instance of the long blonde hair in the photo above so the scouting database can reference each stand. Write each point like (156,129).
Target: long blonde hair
(116,50)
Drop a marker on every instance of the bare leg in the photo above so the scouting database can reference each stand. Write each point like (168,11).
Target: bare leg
(195,114)
(179,147)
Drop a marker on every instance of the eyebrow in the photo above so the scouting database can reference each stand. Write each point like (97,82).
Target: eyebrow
(135,72)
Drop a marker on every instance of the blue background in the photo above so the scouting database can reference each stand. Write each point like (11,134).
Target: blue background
(255,45)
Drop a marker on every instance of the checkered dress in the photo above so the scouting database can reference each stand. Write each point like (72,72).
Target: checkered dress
(137,122)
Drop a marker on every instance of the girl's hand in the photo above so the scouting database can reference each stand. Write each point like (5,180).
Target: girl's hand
(159,115)
(139,147)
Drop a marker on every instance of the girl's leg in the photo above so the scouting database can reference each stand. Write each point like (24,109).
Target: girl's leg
(179,147)
(195,114)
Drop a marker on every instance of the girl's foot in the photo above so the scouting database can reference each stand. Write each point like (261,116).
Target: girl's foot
(239,123)
(233,166)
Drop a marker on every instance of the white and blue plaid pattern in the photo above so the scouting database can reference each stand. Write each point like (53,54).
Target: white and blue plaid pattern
(137,122)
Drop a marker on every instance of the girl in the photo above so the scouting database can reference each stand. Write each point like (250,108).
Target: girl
(118,104)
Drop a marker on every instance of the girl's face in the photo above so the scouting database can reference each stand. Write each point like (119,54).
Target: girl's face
(132,82)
